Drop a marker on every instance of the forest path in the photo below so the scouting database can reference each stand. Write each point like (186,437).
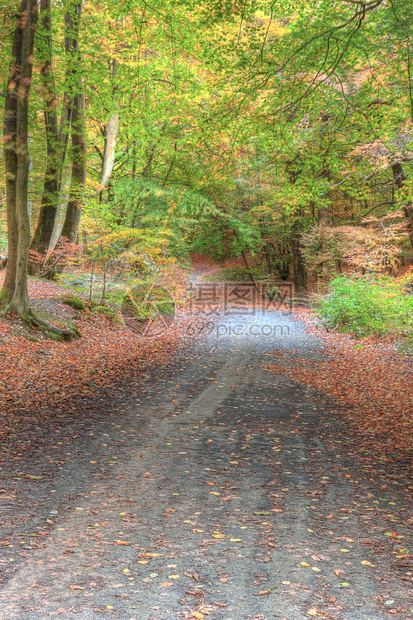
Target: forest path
(214,490)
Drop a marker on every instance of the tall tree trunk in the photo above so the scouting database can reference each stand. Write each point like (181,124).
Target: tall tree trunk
(111,135)
(57,137)
(28,22)
(50,198)
(112,129)
(398,180)
(299,270)
(10,157)
(70,229)
(16,123)
(408,213)
(300,273)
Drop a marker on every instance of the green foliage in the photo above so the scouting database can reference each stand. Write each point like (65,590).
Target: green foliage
(243,125)
(177,211)
(74,301)
(365,307)
(147,300)
(100,308)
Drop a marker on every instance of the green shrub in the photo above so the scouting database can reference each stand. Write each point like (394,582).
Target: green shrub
(366,307)
(75,302)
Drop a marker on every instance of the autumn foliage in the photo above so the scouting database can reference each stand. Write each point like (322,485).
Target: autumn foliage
(43,378)
(367,383)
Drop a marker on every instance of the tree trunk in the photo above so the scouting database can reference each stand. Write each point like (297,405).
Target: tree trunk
(16,124)
(57,138)
(408,213)
(111,136)
(398,181)
(50,198)
(10,158)
(20,301)
(112,130)
(70,229)
(110,150)
(300,274)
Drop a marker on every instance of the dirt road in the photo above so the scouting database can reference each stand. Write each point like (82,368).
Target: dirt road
(215,490)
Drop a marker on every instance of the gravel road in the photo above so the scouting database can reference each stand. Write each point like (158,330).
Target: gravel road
(211,489)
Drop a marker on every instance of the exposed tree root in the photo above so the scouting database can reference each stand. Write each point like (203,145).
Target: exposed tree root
(30,318)
(64,332)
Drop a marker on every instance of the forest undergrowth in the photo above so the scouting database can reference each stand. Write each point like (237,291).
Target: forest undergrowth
(367,381)
(41,378)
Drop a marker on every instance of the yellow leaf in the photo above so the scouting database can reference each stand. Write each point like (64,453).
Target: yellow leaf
(367,563)
(143,562)
(236,539)
(304,564)
(126,570)
(173,576)
(344,550)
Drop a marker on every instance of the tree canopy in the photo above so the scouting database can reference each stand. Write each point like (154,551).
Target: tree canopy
(281,129)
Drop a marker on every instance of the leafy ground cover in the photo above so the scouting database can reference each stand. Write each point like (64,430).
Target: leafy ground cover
(40,375)
(369,382)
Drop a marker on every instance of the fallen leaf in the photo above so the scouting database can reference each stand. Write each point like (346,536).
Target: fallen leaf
(264,592)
